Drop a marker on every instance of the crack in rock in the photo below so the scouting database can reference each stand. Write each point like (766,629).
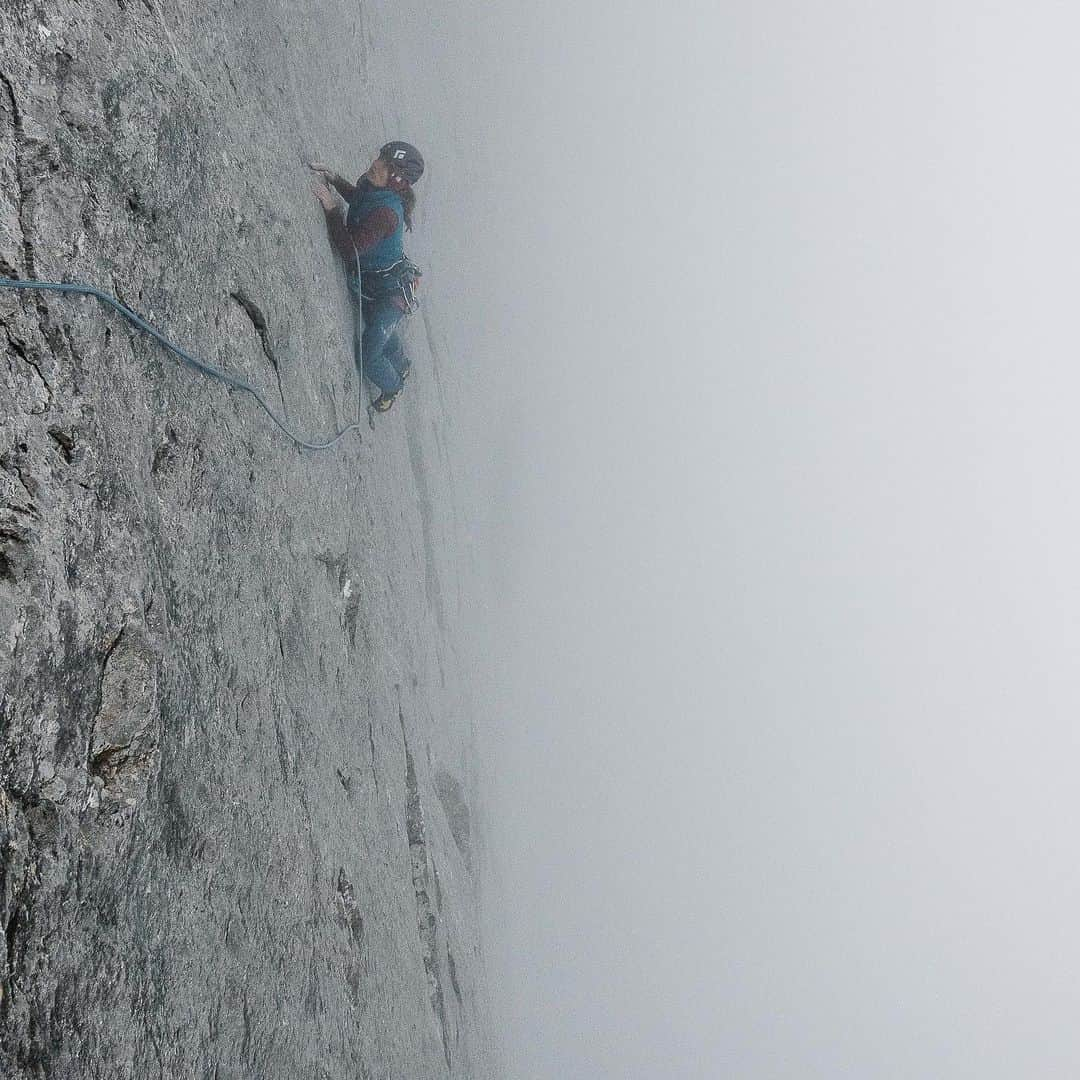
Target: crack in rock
(14,873)
(371,742)
(427,925)
(350,916)
(11,464)
(16,549)
(18,349)
(22,194)
(64,440)
(21,190)
(258,320)
(452,797)
(452,967)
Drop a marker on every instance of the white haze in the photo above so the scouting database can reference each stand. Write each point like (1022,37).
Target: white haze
(763,321)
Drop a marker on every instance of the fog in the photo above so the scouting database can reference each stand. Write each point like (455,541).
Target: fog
(763,324)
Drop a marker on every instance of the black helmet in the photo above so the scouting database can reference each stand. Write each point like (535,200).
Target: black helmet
(405,157)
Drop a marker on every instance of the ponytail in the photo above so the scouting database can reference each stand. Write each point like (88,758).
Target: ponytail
(408,202)
(403,189)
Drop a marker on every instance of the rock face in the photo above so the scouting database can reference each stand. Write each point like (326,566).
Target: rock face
(235,738)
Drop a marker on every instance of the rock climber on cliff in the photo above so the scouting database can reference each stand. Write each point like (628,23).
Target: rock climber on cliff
(369,237)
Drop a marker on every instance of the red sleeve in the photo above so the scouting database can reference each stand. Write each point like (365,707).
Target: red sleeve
(376,226)
(344,188)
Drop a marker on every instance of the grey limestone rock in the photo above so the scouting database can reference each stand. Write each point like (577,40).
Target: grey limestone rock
(227,672)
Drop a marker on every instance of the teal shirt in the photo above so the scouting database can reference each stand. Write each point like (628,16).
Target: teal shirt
(391,248)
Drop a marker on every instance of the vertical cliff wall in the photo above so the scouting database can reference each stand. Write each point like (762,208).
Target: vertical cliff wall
(237,807)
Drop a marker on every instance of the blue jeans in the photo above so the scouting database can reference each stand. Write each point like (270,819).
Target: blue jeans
(377,345)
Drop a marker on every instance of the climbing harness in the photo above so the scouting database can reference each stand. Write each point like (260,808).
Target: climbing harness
(404,273)
(185,357)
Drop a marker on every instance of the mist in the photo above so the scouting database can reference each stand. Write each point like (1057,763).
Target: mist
(764,320)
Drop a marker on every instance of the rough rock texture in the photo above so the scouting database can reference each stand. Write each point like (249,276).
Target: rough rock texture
(235,737)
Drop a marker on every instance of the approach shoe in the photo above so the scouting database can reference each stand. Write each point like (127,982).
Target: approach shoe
(383,402)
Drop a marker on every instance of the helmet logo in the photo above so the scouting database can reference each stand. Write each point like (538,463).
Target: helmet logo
(399,154)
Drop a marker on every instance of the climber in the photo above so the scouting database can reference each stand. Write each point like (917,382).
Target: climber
(369,238)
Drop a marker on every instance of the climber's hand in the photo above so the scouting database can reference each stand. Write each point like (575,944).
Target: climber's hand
(325,196)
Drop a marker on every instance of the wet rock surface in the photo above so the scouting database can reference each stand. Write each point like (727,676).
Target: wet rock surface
(235,735)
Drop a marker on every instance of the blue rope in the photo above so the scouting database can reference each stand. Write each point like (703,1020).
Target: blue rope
(187,358)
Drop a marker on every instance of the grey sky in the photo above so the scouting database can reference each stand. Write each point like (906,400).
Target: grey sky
(773,426)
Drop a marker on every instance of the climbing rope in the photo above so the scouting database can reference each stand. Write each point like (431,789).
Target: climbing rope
(187,358)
